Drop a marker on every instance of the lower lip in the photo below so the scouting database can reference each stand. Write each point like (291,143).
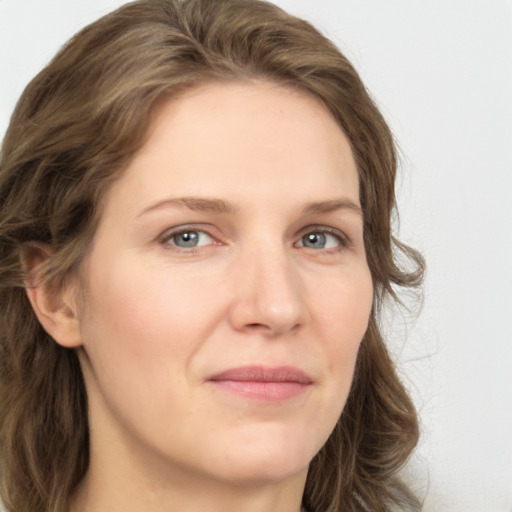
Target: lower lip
(262,390)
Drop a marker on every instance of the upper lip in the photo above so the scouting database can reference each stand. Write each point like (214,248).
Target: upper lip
(263,374)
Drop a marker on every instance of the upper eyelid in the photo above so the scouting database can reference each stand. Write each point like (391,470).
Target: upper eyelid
(183,228)
(165,240)
(326,229)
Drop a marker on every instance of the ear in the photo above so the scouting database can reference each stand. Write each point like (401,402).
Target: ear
(54,306)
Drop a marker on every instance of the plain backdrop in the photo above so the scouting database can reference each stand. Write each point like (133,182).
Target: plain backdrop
(441,71)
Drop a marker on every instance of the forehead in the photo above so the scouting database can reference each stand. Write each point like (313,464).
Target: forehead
(252,138)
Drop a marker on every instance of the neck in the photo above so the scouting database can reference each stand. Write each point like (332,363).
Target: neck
(128,480)
(96,493)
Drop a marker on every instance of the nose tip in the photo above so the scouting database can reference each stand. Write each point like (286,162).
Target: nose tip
(274,320)
(268,298)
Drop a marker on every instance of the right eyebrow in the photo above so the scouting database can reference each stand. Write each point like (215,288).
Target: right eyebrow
(332,206)
(199,204)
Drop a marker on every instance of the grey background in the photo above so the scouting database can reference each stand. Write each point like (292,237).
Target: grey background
(442,73)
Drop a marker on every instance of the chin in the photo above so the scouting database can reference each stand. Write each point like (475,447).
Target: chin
(254,473)
(267,457)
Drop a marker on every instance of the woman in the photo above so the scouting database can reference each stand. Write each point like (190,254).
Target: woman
(195,244)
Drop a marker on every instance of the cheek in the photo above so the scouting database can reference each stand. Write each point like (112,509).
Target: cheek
(344,305)
(140,333)
(344,310)
(149,321)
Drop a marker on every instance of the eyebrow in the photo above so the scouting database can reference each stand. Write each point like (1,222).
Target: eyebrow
(221,206)
(331,206)
(199,204)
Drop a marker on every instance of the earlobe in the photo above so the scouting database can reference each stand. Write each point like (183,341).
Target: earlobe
(53,305)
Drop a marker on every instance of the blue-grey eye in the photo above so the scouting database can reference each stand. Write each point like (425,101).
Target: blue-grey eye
(190,239)
(319,240)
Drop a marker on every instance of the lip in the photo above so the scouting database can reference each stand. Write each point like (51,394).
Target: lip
(261,383)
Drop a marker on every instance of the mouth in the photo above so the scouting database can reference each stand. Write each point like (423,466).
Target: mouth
(264,384)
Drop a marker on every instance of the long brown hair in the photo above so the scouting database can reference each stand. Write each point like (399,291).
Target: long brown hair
(73,131)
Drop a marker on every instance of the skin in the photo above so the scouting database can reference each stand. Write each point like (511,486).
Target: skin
(278,277)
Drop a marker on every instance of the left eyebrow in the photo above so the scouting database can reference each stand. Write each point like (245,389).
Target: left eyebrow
(331,206)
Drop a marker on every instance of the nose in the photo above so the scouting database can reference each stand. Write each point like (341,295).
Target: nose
(268,297)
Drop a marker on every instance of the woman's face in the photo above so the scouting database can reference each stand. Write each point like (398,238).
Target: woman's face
(227,289)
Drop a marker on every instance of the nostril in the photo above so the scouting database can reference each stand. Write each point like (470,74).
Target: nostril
(271,329)
(257,326)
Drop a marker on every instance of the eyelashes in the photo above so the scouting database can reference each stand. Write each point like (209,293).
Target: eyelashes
(323,238)
(190,239)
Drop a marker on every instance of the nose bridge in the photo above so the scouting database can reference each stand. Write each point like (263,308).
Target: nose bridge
(267,288)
